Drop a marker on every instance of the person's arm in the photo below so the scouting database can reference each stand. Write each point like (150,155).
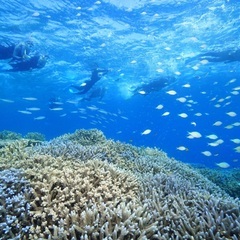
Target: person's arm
(20,51)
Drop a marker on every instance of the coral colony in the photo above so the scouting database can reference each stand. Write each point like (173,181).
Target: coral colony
(84,186)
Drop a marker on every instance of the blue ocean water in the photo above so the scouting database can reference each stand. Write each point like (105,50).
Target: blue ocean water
(138,41)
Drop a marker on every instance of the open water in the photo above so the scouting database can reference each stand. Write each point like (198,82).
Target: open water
(194,118)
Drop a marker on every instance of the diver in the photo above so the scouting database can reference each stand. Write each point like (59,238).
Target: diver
(218,56)
(32,62)
(97,74)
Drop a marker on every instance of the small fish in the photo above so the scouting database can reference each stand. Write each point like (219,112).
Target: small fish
(236,124)
(223,165)
(194,124)
(160,70)
(63,115)
(24,112)
(39,118)
(212,136)
(178,73)
(57,109)
(83,84)
(198,114)
(93,108)
(205,61)
(33,109)
(58,103)
(196,67)
(30,98)
(234,92)
(229,127)
(232,80)
(165,114)
(236,88)
(207,153)
(187,85)
(236,140)
(192,135)
(72,101)
(171,92)
(159,107)
(213,144)
(167,48)
(182,148)
(217,123)
(237,149)
(6,100)
(147,131)
(183,115)
(182,99)
(231,114)
(133,61)
(221,100)
(142,92)
(219,141)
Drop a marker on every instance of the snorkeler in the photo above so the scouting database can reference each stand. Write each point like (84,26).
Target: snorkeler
(21,51)
(36,61)
(18,52)
(97,74)
(219,56)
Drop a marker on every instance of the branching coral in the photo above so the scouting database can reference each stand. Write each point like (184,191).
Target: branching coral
(35,136)
(83,188)
(80,198)
(9,135)
(14,209)
(227,179)
(86,137)
(187,212)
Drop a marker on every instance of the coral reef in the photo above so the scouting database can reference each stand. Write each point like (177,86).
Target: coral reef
(86,137)
(8,135)
(14,209)
(226,179)
(187,212)
(84,186)
(35,136)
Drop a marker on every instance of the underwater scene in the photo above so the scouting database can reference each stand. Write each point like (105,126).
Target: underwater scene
(120,119)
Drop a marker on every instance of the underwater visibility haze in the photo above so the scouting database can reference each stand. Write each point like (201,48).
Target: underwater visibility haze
(125,93)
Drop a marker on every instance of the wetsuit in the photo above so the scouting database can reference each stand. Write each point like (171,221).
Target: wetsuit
(6,50)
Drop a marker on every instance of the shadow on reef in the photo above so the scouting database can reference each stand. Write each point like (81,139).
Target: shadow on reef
(84,186)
